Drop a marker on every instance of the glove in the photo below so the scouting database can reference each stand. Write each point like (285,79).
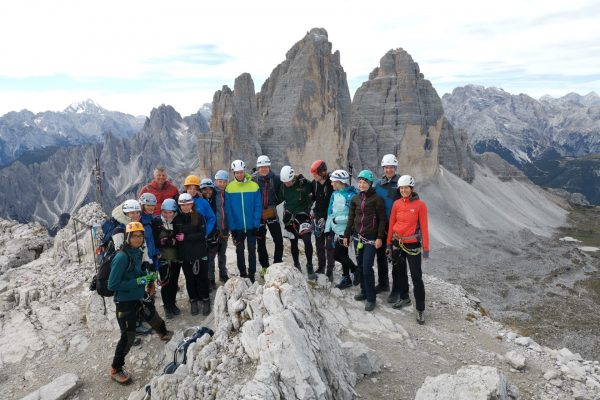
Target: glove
(143,280)
(153,276)
(179,237)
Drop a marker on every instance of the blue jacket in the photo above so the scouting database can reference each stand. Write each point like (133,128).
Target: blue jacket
(124,269)
(203,208)
(387,189)
(339,207)
(221,223)
(153,251)
(243,204)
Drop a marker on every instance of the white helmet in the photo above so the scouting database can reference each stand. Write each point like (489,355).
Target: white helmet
(287,174)
(185,198)
(304,228)
(389,160)
(340,175)
(131,206)
(406,180)
(147,199)
(238,165)
(263,161)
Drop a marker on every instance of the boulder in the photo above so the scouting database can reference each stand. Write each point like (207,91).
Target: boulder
(58,389)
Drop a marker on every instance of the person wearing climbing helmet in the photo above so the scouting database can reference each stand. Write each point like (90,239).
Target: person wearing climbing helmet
(322,191)
(221,227)
(201,206)
(408,242)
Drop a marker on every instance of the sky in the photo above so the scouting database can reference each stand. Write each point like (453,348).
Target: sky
(132,56)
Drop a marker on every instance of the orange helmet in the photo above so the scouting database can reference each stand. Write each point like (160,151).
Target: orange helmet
(191,180)
(134,227)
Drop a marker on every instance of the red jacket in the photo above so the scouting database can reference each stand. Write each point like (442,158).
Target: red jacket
(168,191)
(408,220)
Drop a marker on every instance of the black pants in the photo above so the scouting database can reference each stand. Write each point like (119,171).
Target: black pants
(400,275)
(196,279)
(127,316)
(169,277)
(308,248)
(382,267)
(239,238)
(340,254)
(261,241)
(218,251)
(324,257)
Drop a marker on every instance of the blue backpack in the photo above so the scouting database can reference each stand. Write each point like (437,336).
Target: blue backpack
(108,226)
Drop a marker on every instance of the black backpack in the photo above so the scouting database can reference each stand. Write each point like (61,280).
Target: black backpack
(100,280)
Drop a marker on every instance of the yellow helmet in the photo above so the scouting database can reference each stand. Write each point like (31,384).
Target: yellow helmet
(134,227)
(192,180)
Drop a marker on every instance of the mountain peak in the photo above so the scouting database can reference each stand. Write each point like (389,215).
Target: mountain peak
(88,106)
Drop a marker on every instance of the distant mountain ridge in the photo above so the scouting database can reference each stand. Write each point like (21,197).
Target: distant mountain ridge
(80,123)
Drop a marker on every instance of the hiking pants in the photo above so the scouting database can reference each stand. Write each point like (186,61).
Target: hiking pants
(169,278)
(340,254)
(196,279)
(261,239)
(127,315)
(400,258)
(365,259)
(324,257)
(382,267)
(217,251)
(239,237)
(308,248)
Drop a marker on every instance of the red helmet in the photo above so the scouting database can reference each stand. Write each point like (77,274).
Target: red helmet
(318,166)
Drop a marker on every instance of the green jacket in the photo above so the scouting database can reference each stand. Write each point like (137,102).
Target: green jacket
(125,268)
(299,197)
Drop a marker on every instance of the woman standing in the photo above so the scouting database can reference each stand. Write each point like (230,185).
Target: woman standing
(128,281)
(408,238)
(190,234)
(367,220)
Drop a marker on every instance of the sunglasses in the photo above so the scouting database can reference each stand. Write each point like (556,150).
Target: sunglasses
(137,236)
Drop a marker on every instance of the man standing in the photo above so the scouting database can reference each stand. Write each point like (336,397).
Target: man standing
(161,188)
(386,188)
(270,185)
(243,208)
(322,191)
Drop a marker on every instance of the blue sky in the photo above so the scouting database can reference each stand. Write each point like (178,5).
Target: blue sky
(132,56)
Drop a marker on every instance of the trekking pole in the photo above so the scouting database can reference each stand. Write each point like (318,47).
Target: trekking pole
(77,243)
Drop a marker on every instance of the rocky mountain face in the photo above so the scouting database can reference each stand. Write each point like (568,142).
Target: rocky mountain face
(398,111)
(24,132)
(301,113)
(66,181)
(549,139)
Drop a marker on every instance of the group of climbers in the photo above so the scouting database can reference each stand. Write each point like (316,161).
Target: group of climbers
(189,231)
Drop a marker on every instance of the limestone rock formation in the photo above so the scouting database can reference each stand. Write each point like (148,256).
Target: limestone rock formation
(22,243)
(270,342)
(398,111)
(302,112)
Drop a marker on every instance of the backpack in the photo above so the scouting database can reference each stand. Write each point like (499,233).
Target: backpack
(181,349)
(108,226)
(100,280)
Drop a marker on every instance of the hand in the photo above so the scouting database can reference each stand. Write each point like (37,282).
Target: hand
(179,237)
(425,254)
(153,276)
(345,242)
(378,243)
(143,280)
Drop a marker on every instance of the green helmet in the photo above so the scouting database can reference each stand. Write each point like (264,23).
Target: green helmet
(366,174)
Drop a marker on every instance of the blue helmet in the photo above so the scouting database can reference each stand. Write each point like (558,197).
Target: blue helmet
(169,205)
(222,175)
(147,199)
(207,182)
(366,175)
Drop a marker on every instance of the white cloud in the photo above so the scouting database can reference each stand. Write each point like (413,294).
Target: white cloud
(149,40)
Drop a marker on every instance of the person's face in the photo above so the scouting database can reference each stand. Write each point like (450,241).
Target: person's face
(289,184)
(192,190)
(337,185)
(221,183)
(136,239)
(186,208)
(405,191)
(160,177)
(207,192)
(239,175)
(168,215)
(363,185)
(134,216)
(263,171)
(148,209)
(389,171)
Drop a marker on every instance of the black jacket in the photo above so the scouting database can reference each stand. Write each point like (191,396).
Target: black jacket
(193,227)
(322,195)
(367,215)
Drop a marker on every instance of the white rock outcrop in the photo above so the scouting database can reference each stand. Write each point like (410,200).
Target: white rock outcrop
(21,243)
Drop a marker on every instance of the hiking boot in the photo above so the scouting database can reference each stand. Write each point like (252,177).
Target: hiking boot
(169,312)
(263,271)
(206,307)
(402,303)
(382,287)
(165,336)
(356,277)
(120,376)
(369,306)
(345,282)
(251,277)
(244,274)
(420,318)
(194,307)
(312,276)
(393,297)
(142,329)
(175,310)
(360,297)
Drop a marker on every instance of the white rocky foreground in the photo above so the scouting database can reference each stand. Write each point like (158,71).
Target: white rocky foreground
(21,243)
(281,339)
